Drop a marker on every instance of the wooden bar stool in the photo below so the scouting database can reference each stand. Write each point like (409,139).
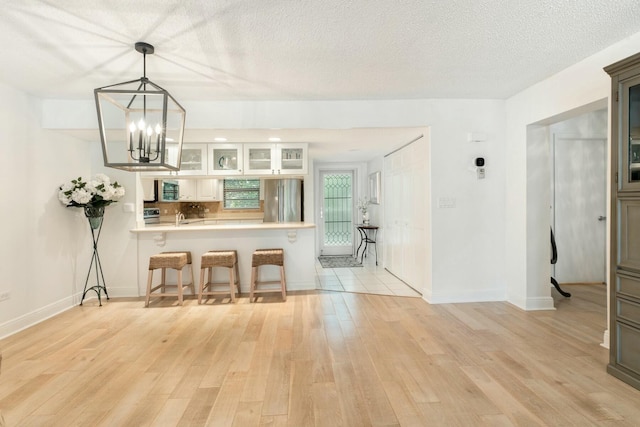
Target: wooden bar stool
(267,257)
(173,260)
(227,259)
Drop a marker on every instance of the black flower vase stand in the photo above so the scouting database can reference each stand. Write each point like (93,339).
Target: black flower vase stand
(95,217)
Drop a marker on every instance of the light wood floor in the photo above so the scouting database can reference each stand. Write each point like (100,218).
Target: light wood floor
(321,358)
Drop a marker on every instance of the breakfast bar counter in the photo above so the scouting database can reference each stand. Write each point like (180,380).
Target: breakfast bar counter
(204,225)
(297,239)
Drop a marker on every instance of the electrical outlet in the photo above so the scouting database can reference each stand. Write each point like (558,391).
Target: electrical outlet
(5,296)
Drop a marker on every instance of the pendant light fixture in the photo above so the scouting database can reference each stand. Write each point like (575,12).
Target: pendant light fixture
(141,125)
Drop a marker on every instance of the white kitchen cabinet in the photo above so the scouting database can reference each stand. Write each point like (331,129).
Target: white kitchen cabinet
(259,159)
(188,190)
(194,160)
(225,159)
(275,159)
(207,189)
(199,190)
(292,158)
(149,190)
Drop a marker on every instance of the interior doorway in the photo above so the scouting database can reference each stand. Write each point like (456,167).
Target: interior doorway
(580,205)
(579,197)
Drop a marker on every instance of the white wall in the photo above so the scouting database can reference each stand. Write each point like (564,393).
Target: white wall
(45,246)
(580,88)
(470,235)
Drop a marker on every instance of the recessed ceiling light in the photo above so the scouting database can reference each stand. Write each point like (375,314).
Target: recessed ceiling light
(220,139)
(274,139)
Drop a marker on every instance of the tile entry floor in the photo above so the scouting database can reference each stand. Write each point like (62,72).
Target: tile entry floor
(369,279)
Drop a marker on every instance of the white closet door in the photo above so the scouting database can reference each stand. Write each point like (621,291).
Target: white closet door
(406,190)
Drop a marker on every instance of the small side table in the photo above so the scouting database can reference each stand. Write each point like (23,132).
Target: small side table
(368,234)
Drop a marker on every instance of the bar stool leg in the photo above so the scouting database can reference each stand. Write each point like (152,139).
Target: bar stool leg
(232,285)
(180,287)
(252,285)
(193,282)
(149,280)
(237,277)
(283,283)
(202,275)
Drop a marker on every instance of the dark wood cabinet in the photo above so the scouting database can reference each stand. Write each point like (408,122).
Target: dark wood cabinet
(624,280)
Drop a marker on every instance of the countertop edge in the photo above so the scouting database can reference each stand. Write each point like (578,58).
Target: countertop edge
(223,227)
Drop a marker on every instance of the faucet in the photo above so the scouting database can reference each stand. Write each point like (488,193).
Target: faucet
(179,218)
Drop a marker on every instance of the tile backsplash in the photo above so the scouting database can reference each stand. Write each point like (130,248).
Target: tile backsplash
(199,209)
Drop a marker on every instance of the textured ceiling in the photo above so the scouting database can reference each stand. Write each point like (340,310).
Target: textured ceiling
(305,49)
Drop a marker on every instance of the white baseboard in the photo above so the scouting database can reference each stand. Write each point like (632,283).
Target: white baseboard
(25,321)
(605,339)
(486,296)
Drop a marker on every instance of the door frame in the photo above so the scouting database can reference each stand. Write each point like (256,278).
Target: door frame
(360,189)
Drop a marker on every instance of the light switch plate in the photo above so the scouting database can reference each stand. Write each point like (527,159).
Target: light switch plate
(446,202)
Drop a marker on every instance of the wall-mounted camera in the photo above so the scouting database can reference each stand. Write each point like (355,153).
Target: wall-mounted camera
(480,168)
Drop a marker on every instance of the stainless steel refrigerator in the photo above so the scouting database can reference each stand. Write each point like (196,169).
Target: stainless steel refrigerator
(283,200)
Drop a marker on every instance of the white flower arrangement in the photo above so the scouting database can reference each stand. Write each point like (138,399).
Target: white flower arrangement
(363,204)
(96,193)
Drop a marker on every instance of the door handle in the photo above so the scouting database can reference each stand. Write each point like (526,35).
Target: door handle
(602,218)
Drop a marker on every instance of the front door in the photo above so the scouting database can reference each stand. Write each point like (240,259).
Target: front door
(336,212)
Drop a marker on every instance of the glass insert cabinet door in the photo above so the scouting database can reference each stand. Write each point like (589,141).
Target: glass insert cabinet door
(634,133)
(260,159)
(225,159)
(193,160)
(292,158)
(278,159)
(631,134)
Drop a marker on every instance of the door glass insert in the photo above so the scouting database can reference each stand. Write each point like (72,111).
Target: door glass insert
(338,209)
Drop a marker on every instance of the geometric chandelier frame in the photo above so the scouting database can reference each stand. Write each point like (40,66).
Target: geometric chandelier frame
(141,125)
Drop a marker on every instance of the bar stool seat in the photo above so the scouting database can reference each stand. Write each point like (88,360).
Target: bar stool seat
(263,257)
(176,261)
(212,259)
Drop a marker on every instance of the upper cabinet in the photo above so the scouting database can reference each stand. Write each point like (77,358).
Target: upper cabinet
(194,160)
(275,159)
(292,158)
(259,159)
(238,159)
(225,159)
(192,163)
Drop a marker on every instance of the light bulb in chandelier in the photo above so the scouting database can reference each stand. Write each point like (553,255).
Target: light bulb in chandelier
(144,141)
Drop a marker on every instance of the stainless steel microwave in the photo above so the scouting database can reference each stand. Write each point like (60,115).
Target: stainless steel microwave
(170,191)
